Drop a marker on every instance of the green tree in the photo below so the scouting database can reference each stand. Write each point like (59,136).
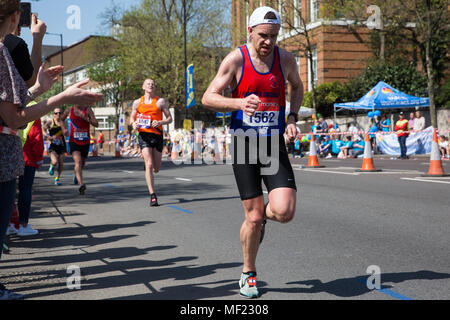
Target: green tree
(151,43)
(410,26)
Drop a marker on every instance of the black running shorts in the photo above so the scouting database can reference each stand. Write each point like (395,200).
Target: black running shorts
(150,140)
(249,175)
(83,149)
(58,149)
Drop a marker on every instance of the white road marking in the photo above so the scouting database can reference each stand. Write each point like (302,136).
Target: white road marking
(425,180)
(126,171)
(183,179)
(329,171)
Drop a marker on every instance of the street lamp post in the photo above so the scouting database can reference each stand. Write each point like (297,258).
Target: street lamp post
(185,56)
(62,56)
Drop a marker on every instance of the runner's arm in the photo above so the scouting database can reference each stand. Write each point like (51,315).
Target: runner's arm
(134,114)
(163,106)
(293,78)
(296,99)
(91,117)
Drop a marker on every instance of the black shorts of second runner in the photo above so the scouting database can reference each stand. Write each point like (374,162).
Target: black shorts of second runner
(58,149)
(150,140)
(83,149)
(249,177)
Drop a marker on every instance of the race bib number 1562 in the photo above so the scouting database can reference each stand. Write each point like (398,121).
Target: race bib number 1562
(261,118)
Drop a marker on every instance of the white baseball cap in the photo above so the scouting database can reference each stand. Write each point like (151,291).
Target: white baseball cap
(259,17)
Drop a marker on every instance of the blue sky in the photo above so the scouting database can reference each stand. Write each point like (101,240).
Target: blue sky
(54,13)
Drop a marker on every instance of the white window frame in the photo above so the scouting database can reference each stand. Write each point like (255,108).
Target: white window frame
(297,11)
(103,123)
(68,79)
(314,10)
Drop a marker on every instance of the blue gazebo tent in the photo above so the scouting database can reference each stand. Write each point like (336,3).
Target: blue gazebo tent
(383,97)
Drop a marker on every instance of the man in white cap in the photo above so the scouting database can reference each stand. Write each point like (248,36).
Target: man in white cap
(257,74)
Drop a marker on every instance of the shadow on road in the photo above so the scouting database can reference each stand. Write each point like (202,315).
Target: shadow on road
(353,287)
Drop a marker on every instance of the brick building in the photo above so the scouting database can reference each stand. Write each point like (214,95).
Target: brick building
(340,50)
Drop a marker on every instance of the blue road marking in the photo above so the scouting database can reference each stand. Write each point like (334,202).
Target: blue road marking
(387,291)
(109,185)
(181,209)
(394,294)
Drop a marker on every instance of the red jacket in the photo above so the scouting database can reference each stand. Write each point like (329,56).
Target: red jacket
(33,149)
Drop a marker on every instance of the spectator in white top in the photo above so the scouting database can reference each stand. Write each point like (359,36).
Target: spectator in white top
(419,122)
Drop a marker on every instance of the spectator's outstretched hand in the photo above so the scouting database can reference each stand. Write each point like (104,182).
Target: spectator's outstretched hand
(75,95)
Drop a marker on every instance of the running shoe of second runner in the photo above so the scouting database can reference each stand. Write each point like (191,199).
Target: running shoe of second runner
(57,183)
(82,189)
(247,285)
(51,170)
(154,200)
(75,181)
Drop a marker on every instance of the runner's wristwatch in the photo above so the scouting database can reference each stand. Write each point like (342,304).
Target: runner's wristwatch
(293,114)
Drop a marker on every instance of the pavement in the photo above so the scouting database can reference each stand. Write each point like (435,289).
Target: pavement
(351,229)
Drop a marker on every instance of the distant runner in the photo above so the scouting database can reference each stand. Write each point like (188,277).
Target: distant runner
(80,119)
(56,131)
(147,118)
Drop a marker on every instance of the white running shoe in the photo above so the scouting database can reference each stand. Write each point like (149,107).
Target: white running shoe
(11,229)
(27,231)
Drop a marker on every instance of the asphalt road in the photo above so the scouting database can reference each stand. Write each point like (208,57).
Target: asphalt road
(188,248)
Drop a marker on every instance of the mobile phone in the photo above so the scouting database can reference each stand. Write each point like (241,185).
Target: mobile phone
(25,16)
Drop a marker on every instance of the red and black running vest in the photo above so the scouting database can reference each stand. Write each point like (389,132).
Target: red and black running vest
(270,88)
(79,129)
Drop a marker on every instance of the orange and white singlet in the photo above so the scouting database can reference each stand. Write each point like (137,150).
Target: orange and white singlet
(146,114)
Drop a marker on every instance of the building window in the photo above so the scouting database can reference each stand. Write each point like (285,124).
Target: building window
(314,68)
(297,13)
(103,124)
(281,12)
(314,5)
(68,79)
(81,75)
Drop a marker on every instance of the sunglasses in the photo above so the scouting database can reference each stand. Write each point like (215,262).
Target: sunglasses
(56,112)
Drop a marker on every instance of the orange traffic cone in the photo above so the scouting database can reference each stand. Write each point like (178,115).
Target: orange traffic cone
(313,161)
(118,154)
(367,165)
(436,169)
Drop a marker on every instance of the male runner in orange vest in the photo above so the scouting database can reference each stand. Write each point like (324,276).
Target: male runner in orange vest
(147,118)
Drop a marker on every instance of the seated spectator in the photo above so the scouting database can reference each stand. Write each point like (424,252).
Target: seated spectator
(336,144)
(348,145)
(324,147)
(298,148)
(358,148)
(444,147)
